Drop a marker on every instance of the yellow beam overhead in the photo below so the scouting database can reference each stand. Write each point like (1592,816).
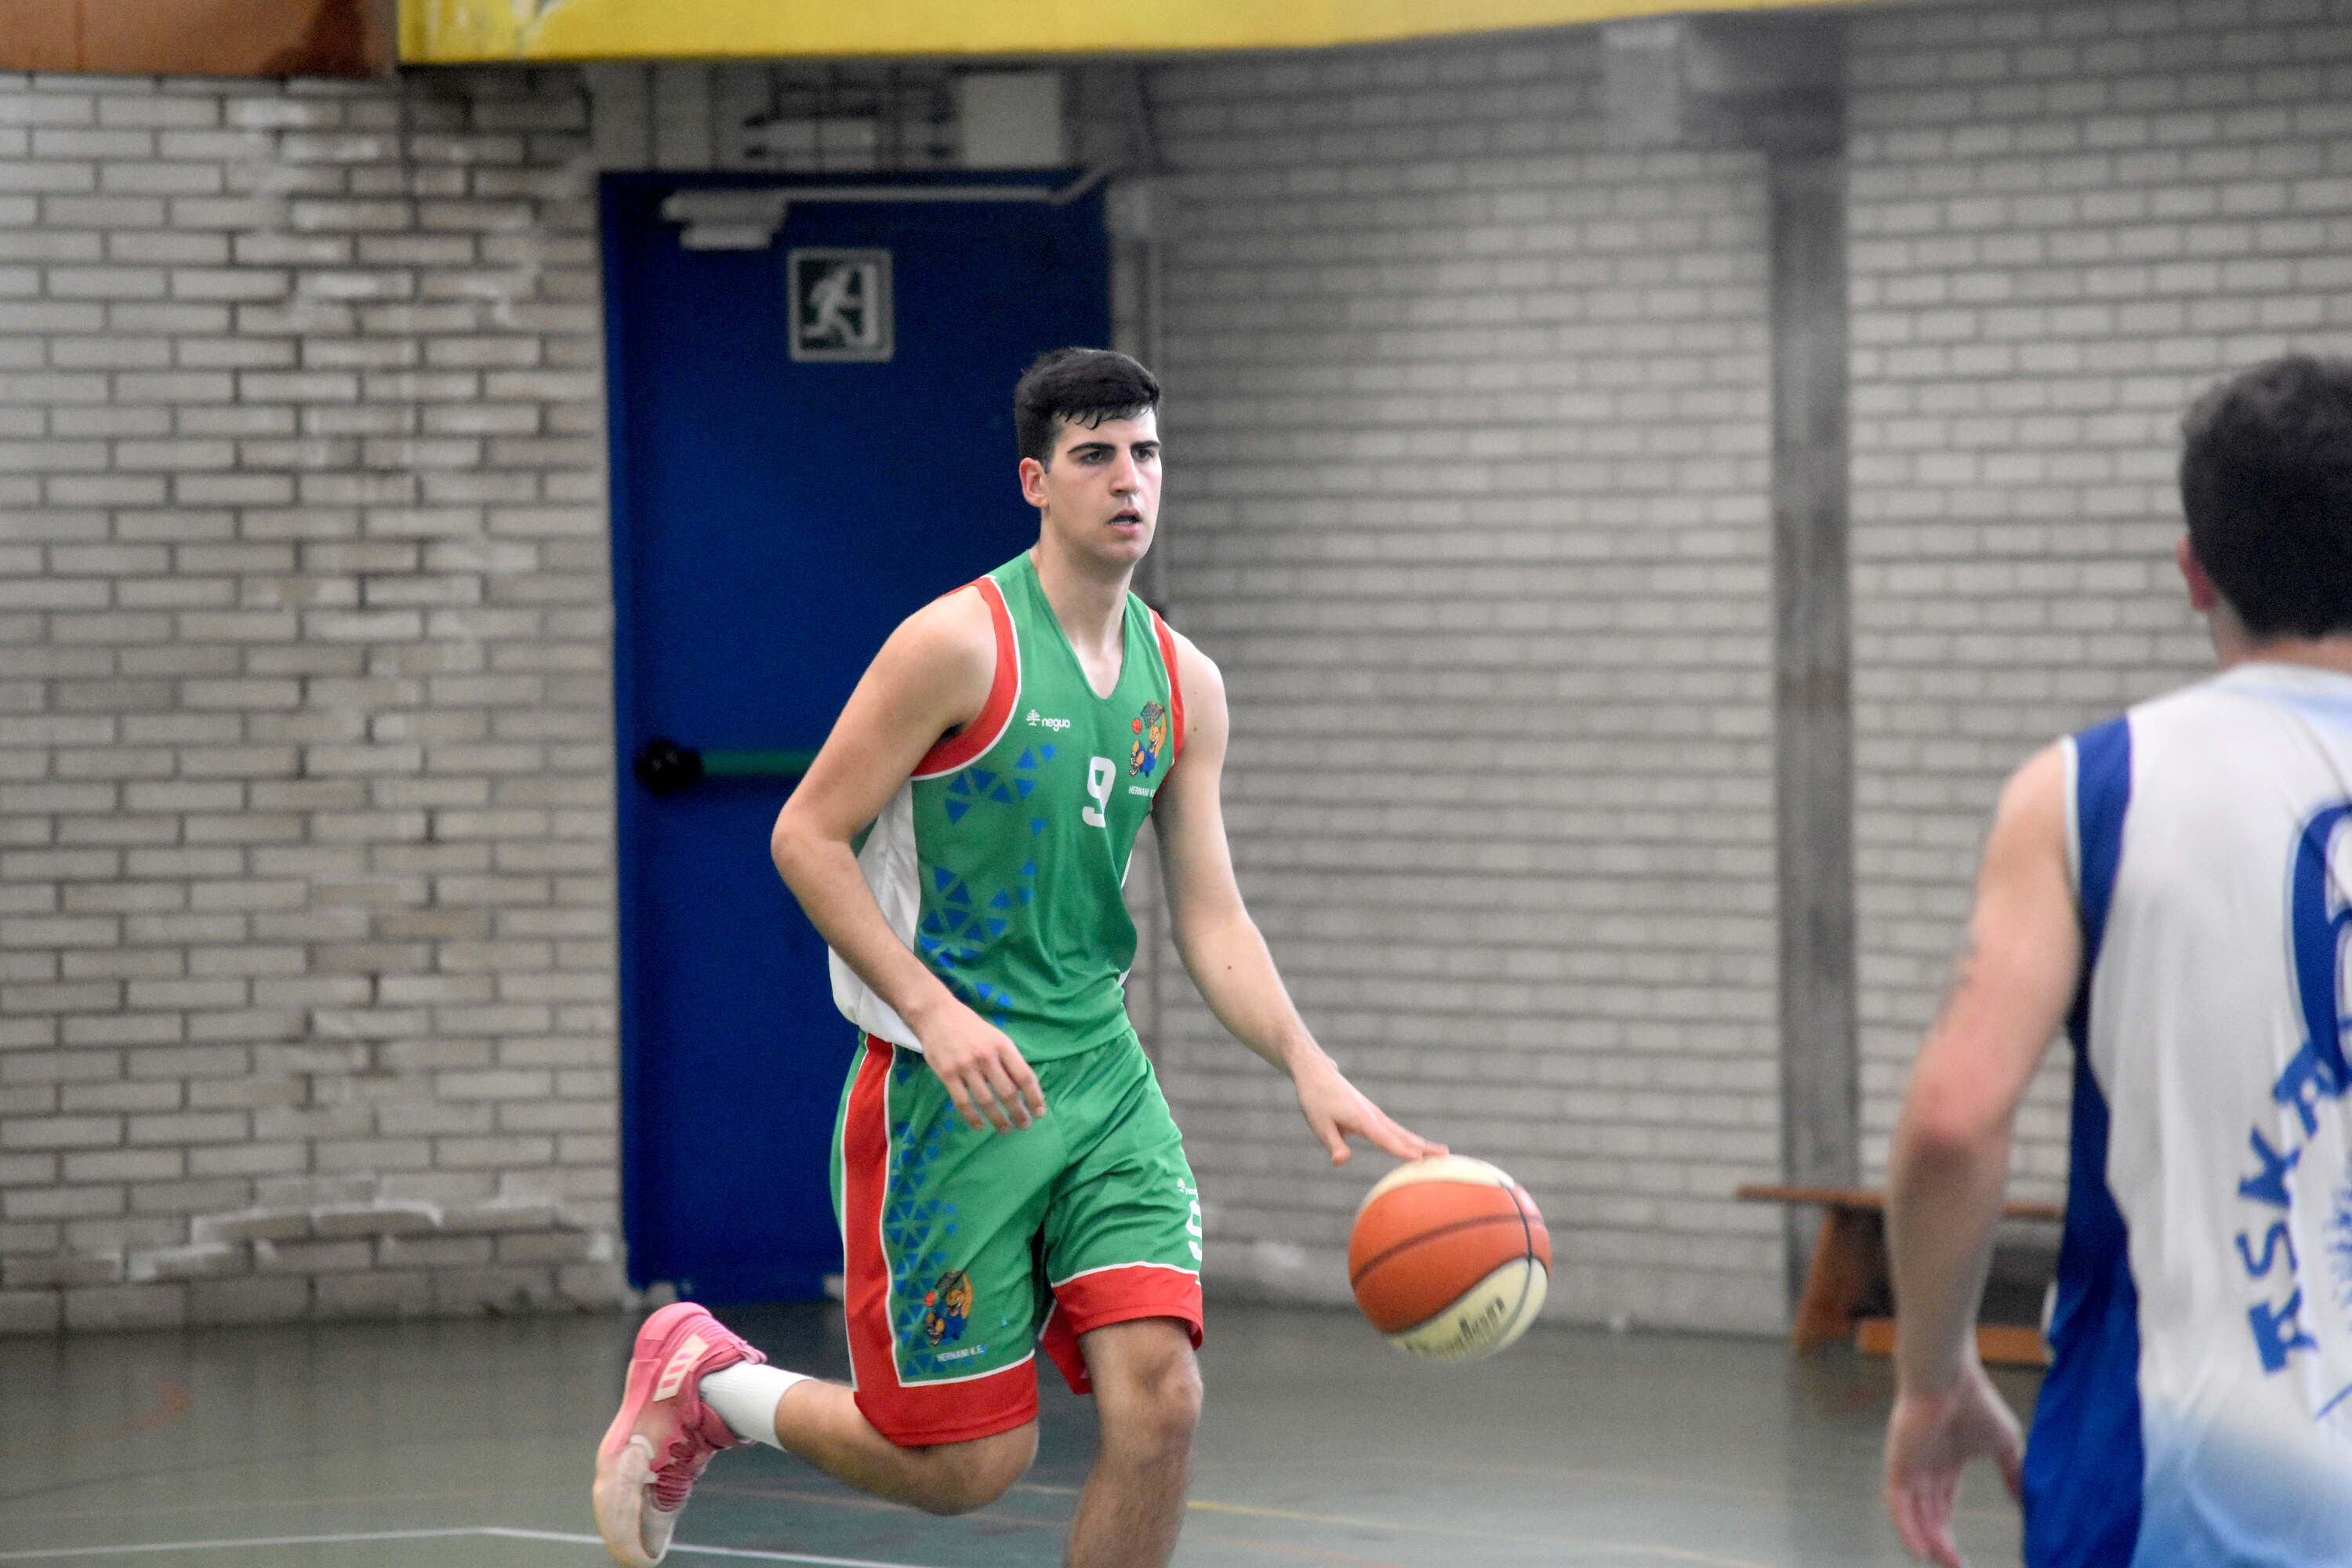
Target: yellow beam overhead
(457,31)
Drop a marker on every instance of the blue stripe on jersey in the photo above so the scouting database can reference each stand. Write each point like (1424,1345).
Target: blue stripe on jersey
(2084,1463)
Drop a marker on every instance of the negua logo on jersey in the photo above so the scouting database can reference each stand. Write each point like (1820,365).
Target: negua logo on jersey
(1038,721)
(2282,1319)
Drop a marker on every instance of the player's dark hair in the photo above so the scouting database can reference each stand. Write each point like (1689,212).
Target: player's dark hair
(2266,480)
(1076,386)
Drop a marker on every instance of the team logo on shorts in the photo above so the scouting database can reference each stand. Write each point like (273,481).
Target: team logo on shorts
(1151,735)
(947,1307)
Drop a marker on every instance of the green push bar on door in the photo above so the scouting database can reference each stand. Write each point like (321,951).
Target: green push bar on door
(664,767)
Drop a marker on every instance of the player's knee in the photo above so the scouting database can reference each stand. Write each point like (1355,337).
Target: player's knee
(1156,1405)
(969,1476)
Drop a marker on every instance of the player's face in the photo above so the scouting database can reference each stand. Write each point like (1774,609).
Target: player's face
(1100,495)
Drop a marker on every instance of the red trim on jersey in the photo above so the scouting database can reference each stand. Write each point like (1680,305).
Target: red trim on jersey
(1175,688)
(865,1175)
(1101,1297)
(910,1415)
(971,742)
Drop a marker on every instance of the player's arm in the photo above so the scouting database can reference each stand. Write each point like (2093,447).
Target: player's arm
(1221,945)
(1949,1162)
(931,676)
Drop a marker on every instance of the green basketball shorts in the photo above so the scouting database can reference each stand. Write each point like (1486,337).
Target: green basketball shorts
(964,1252)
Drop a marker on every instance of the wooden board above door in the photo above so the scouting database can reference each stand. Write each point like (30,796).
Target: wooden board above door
(198,38)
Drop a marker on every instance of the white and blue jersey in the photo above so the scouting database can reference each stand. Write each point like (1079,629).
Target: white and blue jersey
(2198,1407)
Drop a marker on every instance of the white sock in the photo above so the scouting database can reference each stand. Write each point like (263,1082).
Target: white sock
(746,1395)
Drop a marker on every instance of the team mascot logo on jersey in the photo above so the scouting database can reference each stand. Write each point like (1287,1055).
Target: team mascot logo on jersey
(947,1307)
(1152,731)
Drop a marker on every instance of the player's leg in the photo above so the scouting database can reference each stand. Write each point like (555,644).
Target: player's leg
(695,1388)
(1148,1395)
(1122,1246)
(821,1422)
(940,1308)
(940,1300)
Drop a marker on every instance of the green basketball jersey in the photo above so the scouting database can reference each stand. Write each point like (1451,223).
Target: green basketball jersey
(1000,860)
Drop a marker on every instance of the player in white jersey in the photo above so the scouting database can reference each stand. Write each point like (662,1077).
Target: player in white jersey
(2175,887)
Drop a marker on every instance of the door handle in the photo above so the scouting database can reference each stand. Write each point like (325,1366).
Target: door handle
(664,767)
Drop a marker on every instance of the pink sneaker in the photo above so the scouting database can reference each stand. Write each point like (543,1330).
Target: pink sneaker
(664,1435)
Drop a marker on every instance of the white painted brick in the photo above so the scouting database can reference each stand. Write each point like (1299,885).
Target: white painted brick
(1471,424)
(1401,392)
(187,275)
(2164,210)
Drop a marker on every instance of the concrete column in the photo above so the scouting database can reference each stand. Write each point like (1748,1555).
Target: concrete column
(1813,656)
(1777,86)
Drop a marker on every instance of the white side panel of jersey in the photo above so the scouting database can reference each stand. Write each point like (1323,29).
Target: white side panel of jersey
(2230,1163)
(888,860)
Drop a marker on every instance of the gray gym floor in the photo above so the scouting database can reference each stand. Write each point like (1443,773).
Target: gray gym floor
(466,1444)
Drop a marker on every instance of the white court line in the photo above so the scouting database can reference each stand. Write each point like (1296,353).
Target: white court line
(705,1551)
(224,1545)
(502,1531)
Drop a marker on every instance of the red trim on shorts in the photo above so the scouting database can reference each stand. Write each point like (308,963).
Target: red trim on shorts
(1175,688)
(971,742)
(1101,1297)
(909,1415)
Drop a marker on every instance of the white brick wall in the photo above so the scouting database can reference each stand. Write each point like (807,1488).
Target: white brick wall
(1467,496)
(305,840)
(305,863)
(2067,218)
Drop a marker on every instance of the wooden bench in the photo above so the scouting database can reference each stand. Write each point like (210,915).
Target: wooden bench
(1848,1294)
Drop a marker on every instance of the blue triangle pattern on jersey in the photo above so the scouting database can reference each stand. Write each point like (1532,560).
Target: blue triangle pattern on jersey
(1046,752)
(942,879)
(996,927)
(956,809)
(1036,825)
(1028,760)
(1003,900)
(1001,793)
(982,781)
(1025,787)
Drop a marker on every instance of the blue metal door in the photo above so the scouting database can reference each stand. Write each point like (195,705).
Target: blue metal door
(782,497)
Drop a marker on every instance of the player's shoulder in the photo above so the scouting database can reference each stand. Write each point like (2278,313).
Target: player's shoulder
(2031,814)
(946,650)
(957,626)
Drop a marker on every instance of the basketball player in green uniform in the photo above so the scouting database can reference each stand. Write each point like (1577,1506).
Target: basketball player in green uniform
(1006,1172)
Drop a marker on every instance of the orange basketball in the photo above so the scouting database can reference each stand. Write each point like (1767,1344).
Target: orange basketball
(1449,1258)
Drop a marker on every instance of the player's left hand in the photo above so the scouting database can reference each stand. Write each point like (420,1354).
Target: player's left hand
(1930,1439)
(1336,1110)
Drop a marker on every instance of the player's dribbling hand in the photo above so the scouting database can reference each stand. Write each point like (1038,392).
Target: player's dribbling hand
(1930,1439)
(981,1070)
(1336,1110)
